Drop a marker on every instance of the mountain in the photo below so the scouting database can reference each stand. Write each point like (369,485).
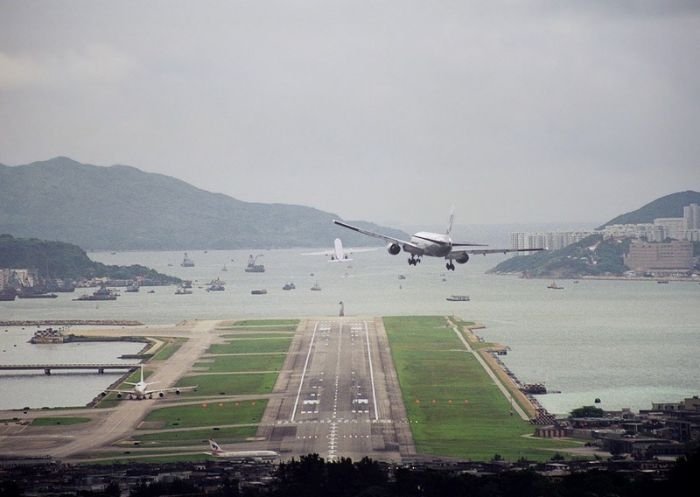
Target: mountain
(668,206)
(59,260)
(121,207)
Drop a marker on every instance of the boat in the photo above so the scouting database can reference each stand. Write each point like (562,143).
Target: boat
(553,286)
(289,286)
(132,288)
(187,262)
(181,290)
(316,287)
(8,294)
(224,268)
(216,288)
(252,267)
(662,282)
(458,298)
(402,277)
(102,293)
(30,295)
(258,292)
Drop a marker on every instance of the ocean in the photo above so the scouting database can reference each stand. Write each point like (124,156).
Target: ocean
(626,343)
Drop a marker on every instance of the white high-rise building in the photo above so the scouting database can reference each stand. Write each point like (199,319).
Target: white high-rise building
(691,214)
(674,227)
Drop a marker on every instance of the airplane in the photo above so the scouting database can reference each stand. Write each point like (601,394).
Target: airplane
(433,244)
(217,451)
(141,391)
(338,253)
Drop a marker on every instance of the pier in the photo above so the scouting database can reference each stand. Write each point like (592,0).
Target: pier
(47,368)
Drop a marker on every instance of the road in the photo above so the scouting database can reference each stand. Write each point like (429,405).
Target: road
(342,396)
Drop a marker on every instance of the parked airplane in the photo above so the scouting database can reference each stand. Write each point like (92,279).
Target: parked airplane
(141,391)
(217,451)
(432,244)
(338,253)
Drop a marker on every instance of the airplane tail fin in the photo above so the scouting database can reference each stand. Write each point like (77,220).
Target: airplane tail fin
(215,448)
(451,220)
(338,251)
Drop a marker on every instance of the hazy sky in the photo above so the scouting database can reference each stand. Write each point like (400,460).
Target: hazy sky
(390,111)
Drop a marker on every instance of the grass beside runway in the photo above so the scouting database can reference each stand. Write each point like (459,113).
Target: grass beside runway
(233,384)
(234,364)
(251,345)
(59,421)
(453,406)
(261,334)
(208,414)
(274,323)
(168,349)
(232,434)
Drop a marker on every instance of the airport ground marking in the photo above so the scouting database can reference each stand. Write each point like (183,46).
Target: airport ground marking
(371,374)
(303,373)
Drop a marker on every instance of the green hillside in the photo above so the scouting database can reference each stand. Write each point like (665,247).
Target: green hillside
(668,206)
(58,260)
(121,207)
(592,256)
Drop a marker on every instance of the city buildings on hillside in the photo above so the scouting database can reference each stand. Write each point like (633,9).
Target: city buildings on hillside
(661,229)
(553,240)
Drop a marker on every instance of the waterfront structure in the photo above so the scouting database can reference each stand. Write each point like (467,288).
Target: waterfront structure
(672,256)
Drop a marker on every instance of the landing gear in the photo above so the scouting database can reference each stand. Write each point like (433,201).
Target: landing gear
(450,266)
(412,261)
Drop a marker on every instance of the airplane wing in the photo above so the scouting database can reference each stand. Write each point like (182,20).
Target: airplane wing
(177,390)
(389,239)
(458,253)
(125,392)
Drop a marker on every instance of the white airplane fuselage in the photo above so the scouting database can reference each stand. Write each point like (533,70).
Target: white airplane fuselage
(431,244)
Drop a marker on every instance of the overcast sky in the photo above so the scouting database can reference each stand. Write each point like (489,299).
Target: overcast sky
(390,111)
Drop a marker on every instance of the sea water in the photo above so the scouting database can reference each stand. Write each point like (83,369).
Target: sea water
(626,343)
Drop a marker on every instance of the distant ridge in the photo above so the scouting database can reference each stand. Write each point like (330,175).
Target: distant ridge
(668,206)
(122,207)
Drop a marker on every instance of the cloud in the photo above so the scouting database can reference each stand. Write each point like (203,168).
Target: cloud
(16,72)
(93,64)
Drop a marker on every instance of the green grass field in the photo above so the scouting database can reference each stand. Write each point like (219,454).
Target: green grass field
(264,322)
(168,349)
(209,414)
(59,421)
(453,406)
(251,345)
(234,384)
(265,362)
(232,434)
(261,334)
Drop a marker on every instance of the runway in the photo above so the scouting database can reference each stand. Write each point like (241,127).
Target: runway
(341,398)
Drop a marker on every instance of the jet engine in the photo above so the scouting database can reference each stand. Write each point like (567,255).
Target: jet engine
(462,259)
(161,394)
(393,248)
